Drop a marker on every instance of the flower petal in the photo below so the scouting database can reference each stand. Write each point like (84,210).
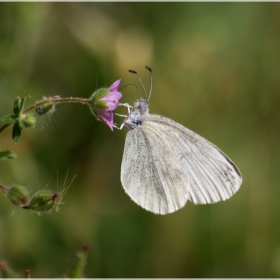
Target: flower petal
(107,116)
(115,85)
(112,100)
(111,106)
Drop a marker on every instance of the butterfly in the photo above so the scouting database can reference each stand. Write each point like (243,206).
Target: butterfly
(165,164)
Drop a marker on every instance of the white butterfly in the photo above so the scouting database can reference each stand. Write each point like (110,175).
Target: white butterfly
(165,164)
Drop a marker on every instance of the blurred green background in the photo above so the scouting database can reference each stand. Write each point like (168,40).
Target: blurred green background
(216,71)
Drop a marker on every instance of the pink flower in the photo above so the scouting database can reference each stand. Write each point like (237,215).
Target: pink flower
(104,101)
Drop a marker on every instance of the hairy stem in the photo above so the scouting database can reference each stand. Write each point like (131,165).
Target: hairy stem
(56,100)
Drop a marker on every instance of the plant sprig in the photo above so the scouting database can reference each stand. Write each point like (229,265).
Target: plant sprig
(21,118)
(102,103)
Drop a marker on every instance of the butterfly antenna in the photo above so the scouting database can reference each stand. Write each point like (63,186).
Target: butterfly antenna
(151,87)
(131,85)
(134,72)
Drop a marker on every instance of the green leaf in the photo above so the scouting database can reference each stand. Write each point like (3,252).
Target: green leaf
(8,154)
(18,105)
(16,134)
(21,104)
(8,119)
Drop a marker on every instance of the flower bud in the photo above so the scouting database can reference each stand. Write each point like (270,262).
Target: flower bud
(46,109)
(18,195)
(29,121)
(42,201)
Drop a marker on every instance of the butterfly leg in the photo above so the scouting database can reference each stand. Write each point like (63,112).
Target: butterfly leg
(120,115)
(129,107)
(116,126)
(121,126)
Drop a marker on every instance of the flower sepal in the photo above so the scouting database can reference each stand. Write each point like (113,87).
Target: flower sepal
(96,101)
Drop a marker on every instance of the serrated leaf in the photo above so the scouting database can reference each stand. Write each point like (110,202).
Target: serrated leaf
(8,154)
(8,119)
(16,134)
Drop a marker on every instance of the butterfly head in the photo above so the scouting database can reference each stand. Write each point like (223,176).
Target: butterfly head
(142,106)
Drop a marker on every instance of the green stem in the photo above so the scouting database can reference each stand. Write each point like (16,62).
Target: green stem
(51,100)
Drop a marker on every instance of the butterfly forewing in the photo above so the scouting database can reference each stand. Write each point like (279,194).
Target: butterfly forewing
(149,174)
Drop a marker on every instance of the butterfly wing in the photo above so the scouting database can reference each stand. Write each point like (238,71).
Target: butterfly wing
(212,175)
(148,174)
(171,164)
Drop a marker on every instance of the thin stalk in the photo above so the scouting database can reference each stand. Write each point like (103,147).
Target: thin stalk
(55,100)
